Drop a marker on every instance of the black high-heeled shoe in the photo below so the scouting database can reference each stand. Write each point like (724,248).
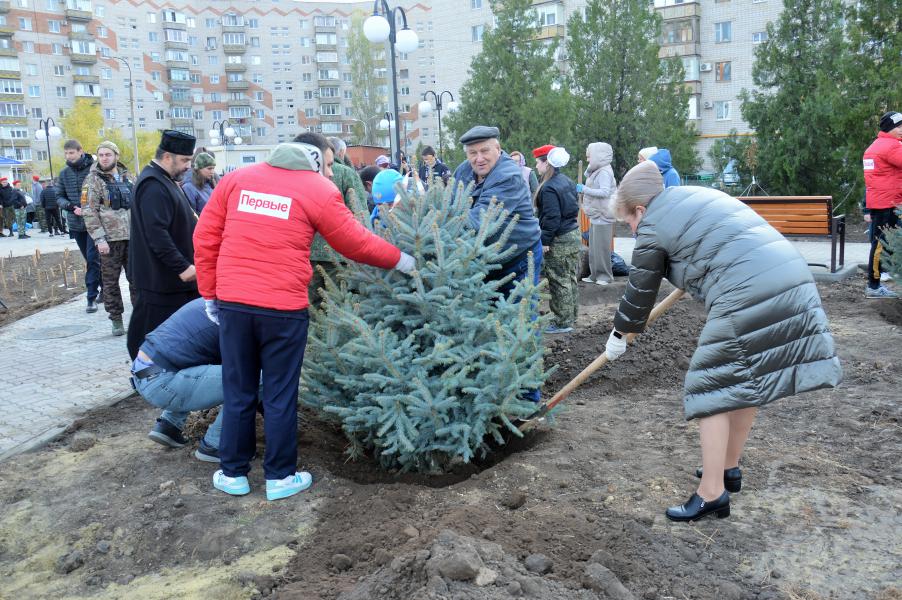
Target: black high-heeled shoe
(732,479)
(696,508)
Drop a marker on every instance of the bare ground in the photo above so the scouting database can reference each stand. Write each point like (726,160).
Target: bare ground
(105,513)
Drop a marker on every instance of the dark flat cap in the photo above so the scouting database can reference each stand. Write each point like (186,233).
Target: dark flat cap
(478,134)
(177,142)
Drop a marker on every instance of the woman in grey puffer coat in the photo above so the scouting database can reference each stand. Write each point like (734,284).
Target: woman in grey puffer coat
(766,335)
(597,194)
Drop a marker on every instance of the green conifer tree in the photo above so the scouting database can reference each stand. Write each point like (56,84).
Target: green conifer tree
(798,97)
(422,370)
(514,84)
(623,93)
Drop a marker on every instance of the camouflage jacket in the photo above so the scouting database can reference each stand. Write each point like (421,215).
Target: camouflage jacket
(101,220)
(347,181)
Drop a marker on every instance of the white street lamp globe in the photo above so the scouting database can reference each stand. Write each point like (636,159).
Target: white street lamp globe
(383,124)
(452,106)
(214,141)
(230,132)
(238,140)
(425,108)
(376,29)
(392,124)
(407,40)
(55,131)
(40,135)
(213,134)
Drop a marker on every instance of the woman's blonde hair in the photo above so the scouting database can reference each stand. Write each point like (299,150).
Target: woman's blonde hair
(637,188)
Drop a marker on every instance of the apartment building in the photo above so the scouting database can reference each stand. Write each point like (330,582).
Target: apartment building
(274,68)
(271,69)
(715,39)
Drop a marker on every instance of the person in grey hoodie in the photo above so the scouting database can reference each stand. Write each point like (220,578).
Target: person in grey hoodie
(597,193)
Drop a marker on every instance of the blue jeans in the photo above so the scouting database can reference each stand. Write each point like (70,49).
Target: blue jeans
(180,392)
(92,258)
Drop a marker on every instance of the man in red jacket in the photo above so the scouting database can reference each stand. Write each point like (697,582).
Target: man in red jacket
(252,255)
(883,181)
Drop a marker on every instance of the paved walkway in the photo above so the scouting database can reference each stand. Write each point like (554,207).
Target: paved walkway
(90,367)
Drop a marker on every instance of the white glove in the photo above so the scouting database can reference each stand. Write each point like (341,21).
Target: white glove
(616,345)
(406,264)
(212,310)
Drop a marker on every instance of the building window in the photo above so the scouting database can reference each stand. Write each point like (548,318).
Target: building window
(176,35)
(10,86)
(34,91)
(191,22)
(153,36)
(151,17)
(759,37)
(258,96)
(723,32)
(101,31)
(722,71)
(56,49)
(100,11)
(209,23)
(53,26)
(476,32)
(11,64)
(24,23)
(255,41)
(211,43)
(109,114)
(212,59)
(308,112)
(106,73)
(160,115)
(474,4)
(305,23)
(677,32)
(253,23)
(60,70)
(28,47)
(61,91)
(214,79)
(233,39)
(107,93)
(722,110)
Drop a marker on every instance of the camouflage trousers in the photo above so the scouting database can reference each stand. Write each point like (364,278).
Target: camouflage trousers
(559,268)
(20,221)
(318,281)
(111,265)
(9,217)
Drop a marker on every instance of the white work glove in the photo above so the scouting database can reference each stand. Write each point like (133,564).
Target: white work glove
(212,310)
(406,264)
(616,346)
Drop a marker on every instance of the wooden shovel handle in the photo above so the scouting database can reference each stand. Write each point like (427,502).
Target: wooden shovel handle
(602,359)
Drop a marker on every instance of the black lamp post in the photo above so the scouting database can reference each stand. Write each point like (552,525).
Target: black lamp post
(426,108)
(47,127)
(382,26)
(224,132)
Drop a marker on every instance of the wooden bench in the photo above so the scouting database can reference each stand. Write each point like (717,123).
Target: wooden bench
(804,216)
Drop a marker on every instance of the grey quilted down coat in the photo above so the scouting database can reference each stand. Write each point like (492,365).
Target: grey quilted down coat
(766,335)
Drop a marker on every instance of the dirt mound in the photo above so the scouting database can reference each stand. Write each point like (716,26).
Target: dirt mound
(463,567)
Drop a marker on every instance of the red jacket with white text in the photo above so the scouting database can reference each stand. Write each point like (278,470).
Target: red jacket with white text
(252,242)
(883,172)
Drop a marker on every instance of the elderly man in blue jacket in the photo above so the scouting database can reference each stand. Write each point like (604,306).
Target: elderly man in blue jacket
(495,175)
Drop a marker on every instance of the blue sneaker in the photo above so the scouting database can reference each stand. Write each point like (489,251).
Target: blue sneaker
(236,486)
(276,489)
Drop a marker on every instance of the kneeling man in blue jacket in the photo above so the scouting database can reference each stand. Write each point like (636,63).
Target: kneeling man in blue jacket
(179,369)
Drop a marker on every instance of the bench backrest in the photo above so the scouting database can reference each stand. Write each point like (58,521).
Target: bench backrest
(794,215)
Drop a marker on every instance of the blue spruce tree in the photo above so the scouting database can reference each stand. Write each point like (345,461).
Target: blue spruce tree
(424,370)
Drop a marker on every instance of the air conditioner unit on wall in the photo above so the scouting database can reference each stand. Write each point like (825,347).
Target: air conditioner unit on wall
(705,67)
(709,104)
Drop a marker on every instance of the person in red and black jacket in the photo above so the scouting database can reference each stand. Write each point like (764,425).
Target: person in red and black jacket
(252,254)
(882,163)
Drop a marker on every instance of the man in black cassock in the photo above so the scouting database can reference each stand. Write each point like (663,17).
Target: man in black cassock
(161,249)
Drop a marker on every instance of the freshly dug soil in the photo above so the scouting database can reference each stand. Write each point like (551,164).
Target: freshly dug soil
(574,511)
(29,284)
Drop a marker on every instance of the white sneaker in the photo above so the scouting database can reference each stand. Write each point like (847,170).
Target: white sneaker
(236,486)
(603,282)
(276,489)
(886,277)
(588,280)
(880,293)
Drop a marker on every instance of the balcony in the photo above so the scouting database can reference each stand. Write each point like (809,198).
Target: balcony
(237,86)
(86,79)
(550,31)
(234,48)
(239,102)
(233,28)
(679,11)
(180,122)
(80,58)
(9,52)
(18,142)
(324,29)
(7,30)
(13,120)
(175,25)
(235,67)
(174,45)
(180,101)
(12,97)
(176,64)
(82,16)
